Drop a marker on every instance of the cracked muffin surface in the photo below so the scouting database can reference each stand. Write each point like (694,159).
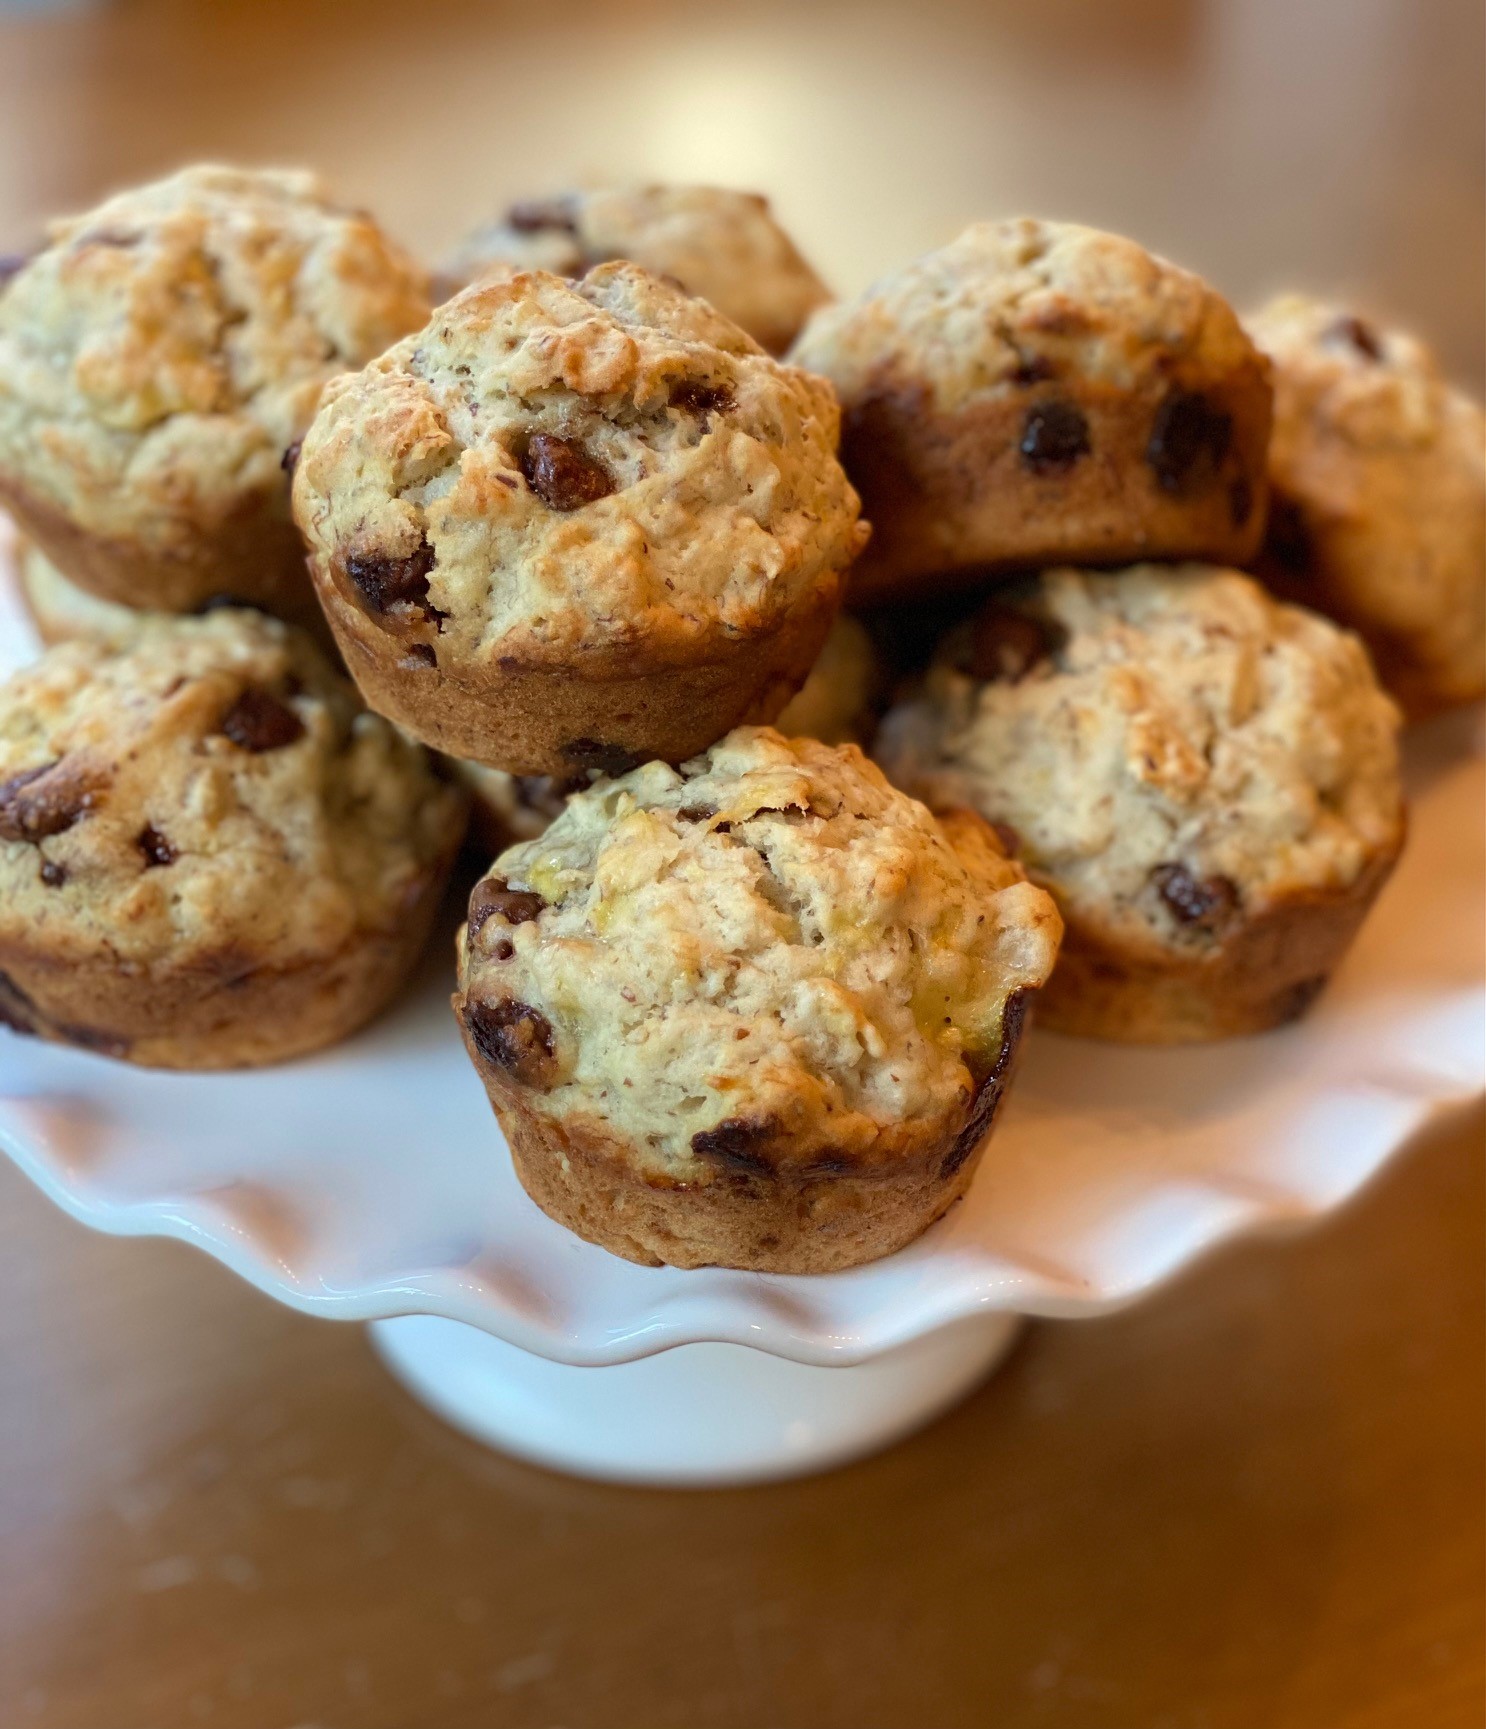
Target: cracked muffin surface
(1037,391)
(600,481)
(206,810)
(160,354)
(1378,472)
(768,963)
(1176,755)
(723,245)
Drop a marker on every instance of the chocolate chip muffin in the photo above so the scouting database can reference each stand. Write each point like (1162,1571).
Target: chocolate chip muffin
(722,245)
(1378,477)
(1205,779)
(210,855)
(63,612)
(1036,392)
(158,359)
(756,1012)
(573,526)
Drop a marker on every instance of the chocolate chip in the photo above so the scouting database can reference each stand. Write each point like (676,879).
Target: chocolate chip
(17,1011)
(591,755)
(1207,903)
(1189,438)
(1359,335)
(495,895)
(1240,501)
(693,397)
(735,1144)
(41,802)
(538,215)
(258,721)
(990,1082)
(389,581)
(515,1037)
(289,461)
(1054,435)
(1287,538)
(1032,369)
(53,874)
(562,474)
(1005,644)
(156,849)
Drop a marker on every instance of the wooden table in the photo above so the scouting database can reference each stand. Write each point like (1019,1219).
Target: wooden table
(1256,1499)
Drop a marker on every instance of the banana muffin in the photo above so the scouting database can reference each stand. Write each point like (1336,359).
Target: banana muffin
(836,704)
(210,855)
(1378,477)
(720,244)
(158,359)
(1206,780)
(577,525)
(1036,392)
(756,1012)
(63,612)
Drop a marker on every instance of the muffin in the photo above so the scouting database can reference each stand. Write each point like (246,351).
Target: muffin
(210,855)
(158,359)
(837,703)
(1378,477)
(63,612)
(722,245)
(575,526)
(1206,780)
(756,1012)
(1036,392)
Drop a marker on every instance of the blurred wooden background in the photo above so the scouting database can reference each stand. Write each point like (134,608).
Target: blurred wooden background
(1257,1498)
(1330,143)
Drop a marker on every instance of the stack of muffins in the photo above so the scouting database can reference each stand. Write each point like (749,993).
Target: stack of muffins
(738,994)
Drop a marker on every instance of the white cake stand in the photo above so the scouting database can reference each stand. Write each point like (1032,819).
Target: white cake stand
(370,1183)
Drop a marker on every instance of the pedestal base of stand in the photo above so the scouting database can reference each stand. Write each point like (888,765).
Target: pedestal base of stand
(697,1415)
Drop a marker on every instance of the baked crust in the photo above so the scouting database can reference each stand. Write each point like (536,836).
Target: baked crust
(951,499)
(210,854)
(1039,391)
(718,243)
(757,1013)
(221,1012)
(607,708)
(783,1210)
(161,355)
(1379,489)
(1206,781)
(254,556)
(1266,970)
(588,514)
